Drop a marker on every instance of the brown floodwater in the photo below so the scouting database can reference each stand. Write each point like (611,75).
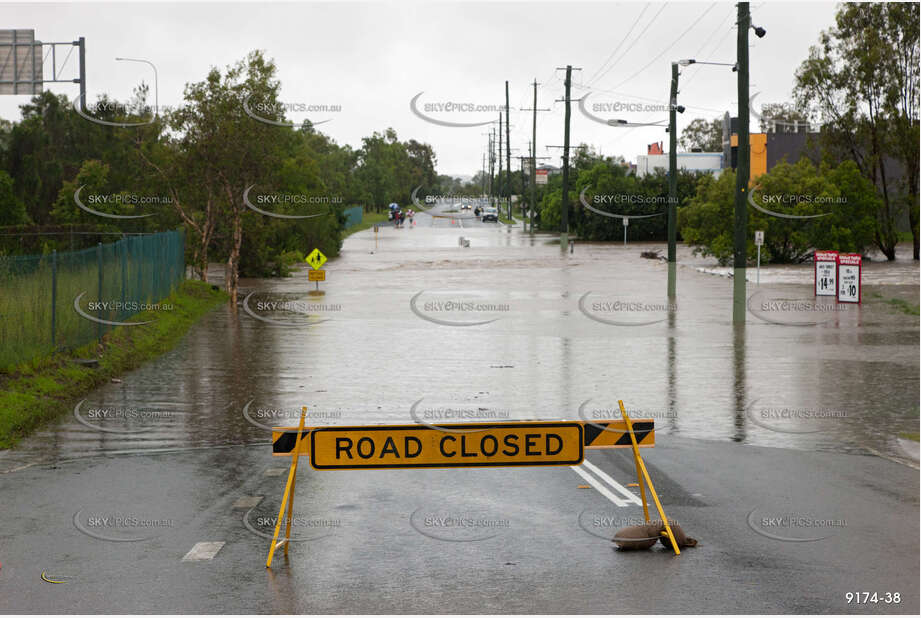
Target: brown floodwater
(410,326)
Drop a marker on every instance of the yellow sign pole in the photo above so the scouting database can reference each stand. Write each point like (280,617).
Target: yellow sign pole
(641,469)
(288,495)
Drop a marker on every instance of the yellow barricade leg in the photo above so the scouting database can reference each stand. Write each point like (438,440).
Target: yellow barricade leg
(291,506)
(288,495)
(641,470)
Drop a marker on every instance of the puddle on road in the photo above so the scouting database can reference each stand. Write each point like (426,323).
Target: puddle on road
(508,326)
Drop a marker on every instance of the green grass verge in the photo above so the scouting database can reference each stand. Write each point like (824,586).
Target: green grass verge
(41,390)
(904,306)
(899,304)
(368,220)
(910,436)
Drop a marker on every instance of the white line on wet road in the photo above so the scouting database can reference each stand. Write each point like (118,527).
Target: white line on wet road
(205,550)
(631,497)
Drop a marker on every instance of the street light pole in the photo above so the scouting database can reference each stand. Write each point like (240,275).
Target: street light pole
(740,240)
(673,182)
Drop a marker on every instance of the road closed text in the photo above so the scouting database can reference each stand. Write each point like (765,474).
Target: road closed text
(475,445)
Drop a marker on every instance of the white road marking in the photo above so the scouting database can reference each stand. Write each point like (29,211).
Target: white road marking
(631,497)
(203,551)
(601,488)
(274,471)
(247,502)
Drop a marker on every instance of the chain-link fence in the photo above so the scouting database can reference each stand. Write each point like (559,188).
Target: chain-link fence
(64,300)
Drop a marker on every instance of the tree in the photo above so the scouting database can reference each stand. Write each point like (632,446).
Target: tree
(12,210)
(227,151)
(703,134)
(862,82)
(388,170)
(848,198)
(901,105)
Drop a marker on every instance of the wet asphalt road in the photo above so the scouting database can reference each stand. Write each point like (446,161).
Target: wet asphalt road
(791,514)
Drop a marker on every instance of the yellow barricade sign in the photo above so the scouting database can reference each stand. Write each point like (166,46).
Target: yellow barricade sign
(524,443)
(595,434)
(472,445)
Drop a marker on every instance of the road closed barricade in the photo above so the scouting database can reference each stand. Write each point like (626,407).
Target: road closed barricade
(458,445)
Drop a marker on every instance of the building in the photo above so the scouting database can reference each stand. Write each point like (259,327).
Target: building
(782,141)
(711,162)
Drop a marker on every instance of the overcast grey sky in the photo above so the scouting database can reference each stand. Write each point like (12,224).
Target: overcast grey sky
(373,58)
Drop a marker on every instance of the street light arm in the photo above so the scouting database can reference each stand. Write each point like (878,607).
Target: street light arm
(156,79)
(688,61)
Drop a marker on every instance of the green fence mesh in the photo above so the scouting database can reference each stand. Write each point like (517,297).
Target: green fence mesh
(353,216)
(65,300)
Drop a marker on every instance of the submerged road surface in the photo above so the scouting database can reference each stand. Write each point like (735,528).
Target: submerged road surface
(777,445)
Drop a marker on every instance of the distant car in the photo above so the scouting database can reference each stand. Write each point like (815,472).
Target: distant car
(465,207)
(490,213)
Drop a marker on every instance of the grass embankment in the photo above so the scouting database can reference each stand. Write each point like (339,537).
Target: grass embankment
(910,436)
(368,220)
(517,214)
(42,389)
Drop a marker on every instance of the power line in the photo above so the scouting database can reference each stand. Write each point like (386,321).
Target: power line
(656,16)
(714,48)
(635,96)
(622,41)
(667,49)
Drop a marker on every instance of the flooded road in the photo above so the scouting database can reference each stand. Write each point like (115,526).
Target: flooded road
(165,483)
(411,325)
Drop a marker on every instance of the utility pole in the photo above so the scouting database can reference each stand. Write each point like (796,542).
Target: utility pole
(534,157)
(521,161)
(533,204)
(499,175)
(525,180)
(508,153)
(743,170)
(564,205)
(492,160)
(673,183)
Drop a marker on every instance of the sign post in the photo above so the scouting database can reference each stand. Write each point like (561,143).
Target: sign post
(849,277)
(826,272)
(759,240)
(626,221)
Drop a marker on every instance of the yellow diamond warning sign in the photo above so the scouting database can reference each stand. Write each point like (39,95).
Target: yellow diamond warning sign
(316,259)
